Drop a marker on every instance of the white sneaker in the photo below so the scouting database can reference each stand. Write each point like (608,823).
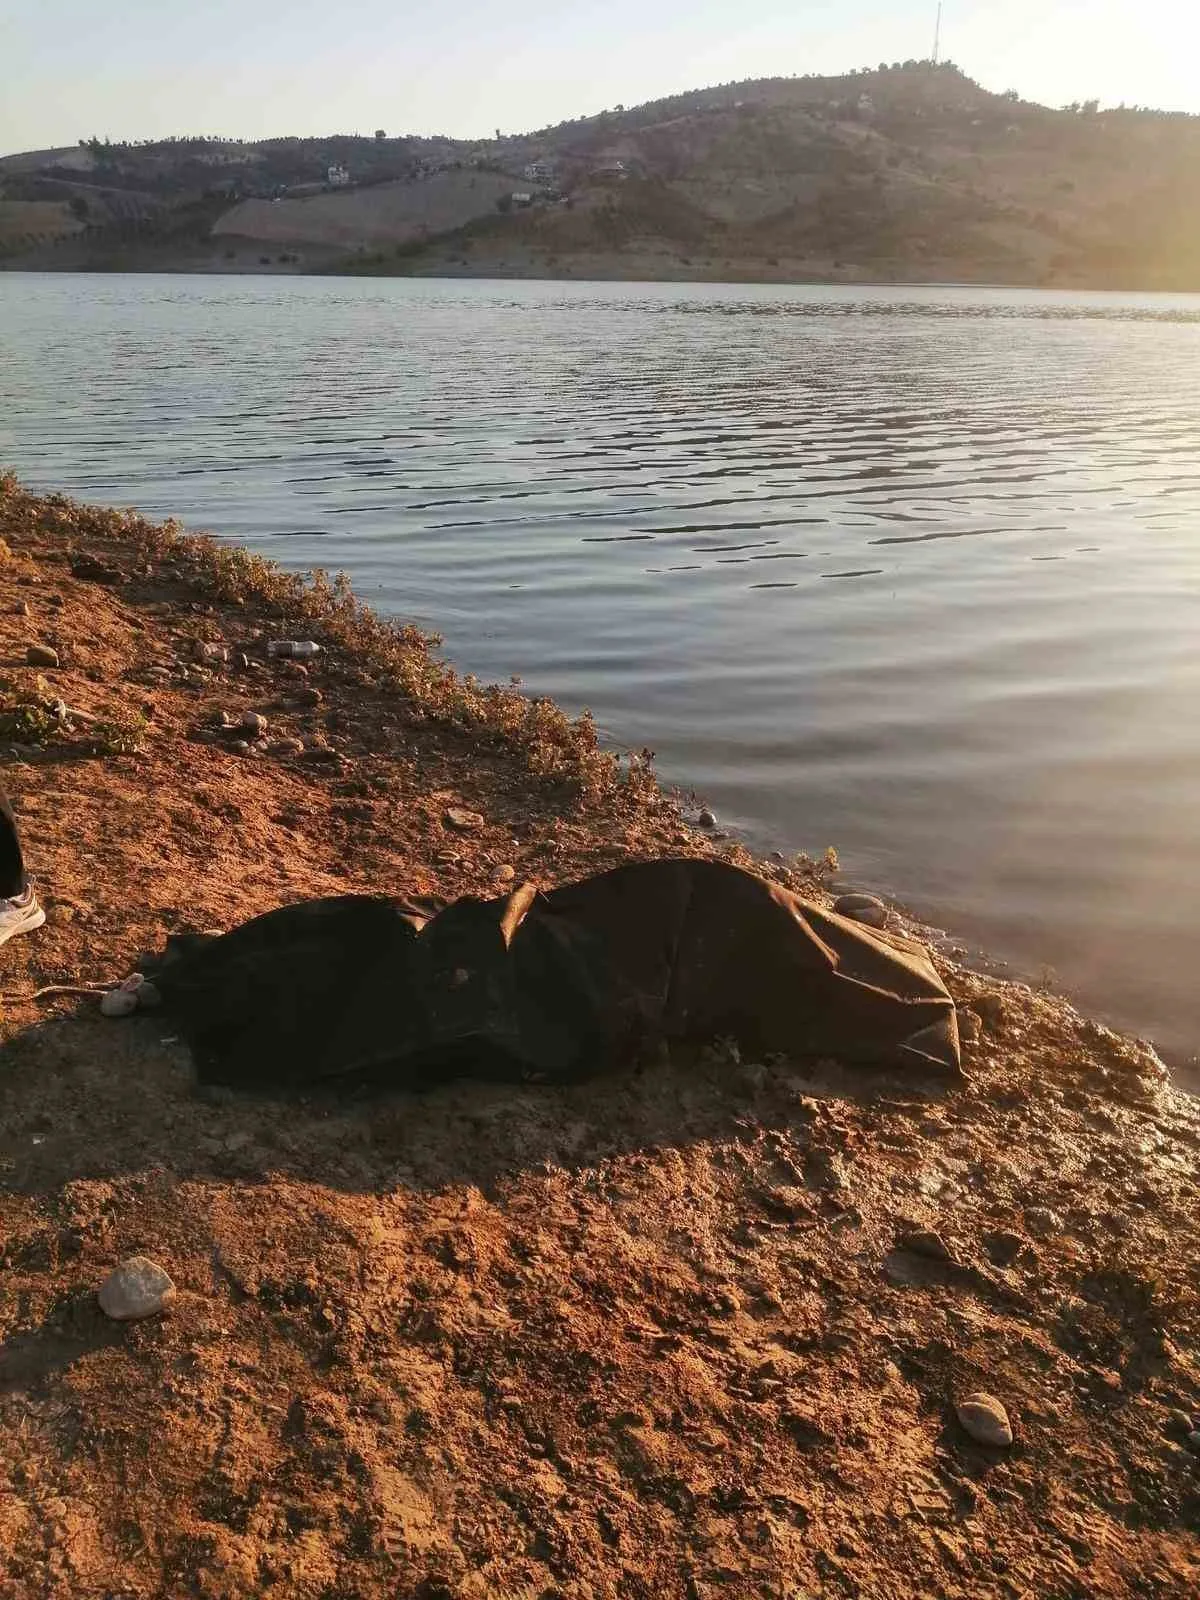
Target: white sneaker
(21,915)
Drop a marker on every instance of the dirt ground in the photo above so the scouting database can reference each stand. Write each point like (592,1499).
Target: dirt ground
(666,1334)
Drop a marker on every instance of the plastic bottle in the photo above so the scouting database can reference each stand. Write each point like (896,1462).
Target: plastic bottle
(299,649)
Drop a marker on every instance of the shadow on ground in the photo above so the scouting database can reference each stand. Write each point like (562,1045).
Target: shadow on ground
(83,1097)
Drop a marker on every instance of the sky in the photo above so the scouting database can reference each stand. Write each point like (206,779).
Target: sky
(252,68)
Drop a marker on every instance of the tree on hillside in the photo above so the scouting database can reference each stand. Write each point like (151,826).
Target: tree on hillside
(380,134)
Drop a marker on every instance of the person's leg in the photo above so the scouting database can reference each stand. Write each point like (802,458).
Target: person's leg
(12,863)
(19,908)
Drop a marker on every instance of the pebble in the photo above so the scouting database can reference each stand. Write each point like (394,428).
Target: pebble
(1178,1424)
(985,1419)
(1042,1222)
(287,747)
(118,1003)
(505,874)
(308,697)
(1003,1247)
(254,723)
(41,655)
(462,821)
(989,1008)
(240,747)
(924,1242)
(96,571)
(137,1288)
(970,1028)
(865,908)
(707,819)
(1193,1442)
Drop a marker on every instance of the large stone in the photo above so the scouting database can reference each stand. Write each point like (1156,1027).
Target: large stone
(986,1420)
(463,821)
(137,1288)
(41,655)
(866,908)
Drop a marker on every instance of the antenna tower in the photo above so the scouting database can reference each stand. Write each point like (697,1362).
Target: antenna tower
(937,34)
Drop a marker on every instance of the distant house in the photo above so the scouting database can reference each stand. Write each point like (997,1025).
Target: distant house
(540,172)
(610,167)
(339,176)
(865,104)
(522,198)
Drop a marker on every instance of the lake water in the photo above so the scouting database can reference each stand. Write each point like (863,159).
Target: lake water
(915,572)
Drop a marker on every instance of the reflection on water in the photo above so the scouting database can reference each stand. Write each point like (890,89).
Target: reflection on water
(912,572)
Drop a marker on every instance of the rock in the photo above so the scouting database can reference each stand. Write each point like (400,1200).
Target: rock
(986,1420)
(754,1075)
(970,1028)
(904,1270)
(866,908)
(806,1429)
(462,821)
(1193,1442)
(924,1242)
(254,724)
(118,1003)
(1003,1247)
(706,819)
(505,874)
(240,747)
(41,655)
(1042,1222)
(93,571)
(287,747)
(1177,1424)
(137,1288)
(308,697)
(148,997)
(989,1008)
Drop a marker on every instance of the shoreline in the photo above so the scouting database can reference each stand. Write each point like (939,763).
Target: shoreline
(589,272)
(701,1330)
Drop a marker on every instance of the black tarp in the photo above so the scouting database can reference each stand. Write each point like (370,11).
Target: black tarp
(551,986)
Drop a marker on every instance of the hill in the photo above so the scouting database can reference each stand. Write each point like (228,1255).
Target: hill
(909,172)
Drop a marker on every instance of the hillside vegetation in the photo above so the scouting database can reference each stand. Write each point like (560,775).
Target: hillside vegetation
(908,172)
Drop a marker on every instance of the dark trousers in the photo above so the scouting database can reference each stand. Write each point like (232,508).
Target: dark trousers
(12,867)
